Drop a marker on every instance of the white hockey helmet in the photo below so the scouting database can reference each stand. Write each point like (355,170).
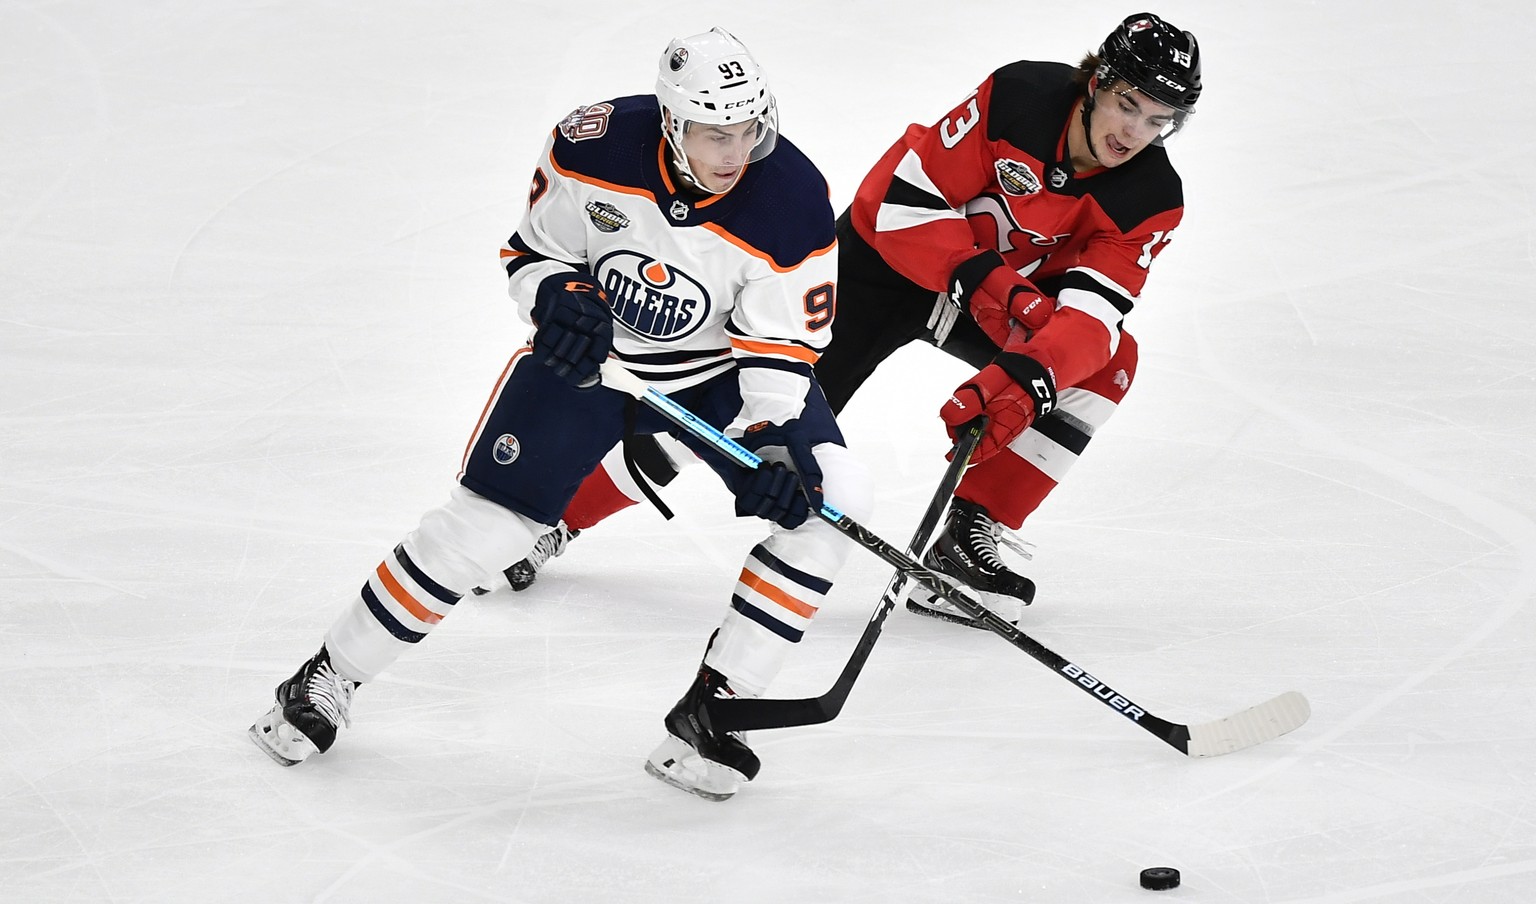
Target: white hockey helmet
(712,79)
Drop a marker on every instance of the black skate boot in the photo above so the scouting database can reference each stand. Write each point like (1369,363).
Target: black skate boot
(695,757)
(522,575)
(310,707)
(966,553)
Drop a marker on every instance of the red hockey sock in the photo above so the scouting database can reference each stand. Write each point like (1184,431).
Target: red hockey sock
(595,499)
(1007,486)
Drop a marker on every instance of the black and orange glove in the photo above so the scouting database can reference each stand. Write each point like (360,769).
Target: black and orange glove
(575,326)
(786,487)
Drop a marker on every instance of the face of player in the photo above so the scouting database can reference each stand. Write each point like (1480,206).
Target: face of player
(1124,121)
(717,154)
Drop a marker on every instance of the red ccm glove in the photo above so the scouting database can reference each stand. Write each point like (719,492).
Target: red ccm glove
(995,295)
(1011,391)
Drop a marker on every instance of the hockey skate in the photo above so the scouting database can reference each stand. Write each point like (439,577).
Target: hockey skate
(522,575)
(310,707)
(967,554)
(695,757)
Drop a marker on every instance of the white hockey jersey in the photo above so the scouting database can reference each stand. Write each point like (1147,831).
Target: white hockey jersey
(698,285)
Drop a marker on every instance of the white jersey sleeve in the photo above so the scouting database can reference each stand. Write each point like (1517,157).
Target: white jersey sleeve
(782,321)
(549,240)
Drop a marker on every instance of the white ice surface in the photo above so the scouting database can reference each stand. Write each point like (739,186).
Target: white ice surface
(251,307)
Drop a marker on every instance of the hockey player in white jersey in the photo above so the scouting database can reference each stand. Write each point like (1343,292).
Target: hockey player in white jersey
(681,234)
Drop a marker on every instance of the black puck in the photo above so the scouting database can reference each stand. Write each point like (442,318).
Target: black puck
(1159,878)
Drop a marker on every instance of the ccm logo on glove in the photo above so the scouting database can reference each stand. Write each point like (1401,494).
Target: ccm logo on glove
(1012,392)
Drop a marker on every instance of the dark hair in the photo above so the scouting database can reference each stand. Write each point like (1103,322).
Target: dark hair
(1085,71)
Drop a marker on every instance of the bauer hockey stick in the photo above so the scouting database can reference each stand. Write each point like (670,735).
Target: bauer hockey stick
(748,713)
(1255,725)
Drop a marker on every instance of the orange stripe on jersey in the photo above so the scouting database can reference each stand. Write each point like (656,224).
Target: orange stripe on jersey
(513,252)
(778,596)
(404,598)
(661,161)
(798,352)
(611,186)
(741,243)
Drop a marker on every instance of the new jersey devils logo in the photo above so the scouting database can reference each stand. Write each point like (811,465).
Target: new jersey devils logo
(655,299)
(995,210)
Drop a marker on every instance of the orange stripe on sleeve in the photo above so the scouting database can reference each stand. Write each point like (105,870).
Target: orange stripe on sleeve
(798,352)
(778,596)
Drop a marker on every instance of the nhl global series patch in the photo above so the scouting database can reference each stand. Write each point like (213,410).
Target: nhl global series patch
(1017,178)
(606,217)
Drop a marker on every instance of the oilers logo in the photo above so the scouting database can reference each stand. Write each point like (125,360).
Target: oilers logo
(653,298)
(507,449)
(1017,178)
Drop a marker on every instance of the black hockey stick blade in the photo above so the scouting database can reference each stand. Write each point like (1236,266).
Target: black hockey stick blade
(748,714)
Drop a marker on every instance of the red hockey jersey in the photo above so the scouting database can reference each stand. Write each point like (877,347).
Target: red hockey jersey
(995,174)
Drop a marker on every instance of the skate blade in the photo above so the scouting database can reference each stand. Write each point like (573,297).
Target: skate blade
(267,734)
(951,617)
(680,766)
(652,770)
(926,603)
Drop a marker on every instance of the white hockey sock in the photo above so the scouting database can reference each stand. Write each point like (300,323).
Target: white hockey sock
(421,580)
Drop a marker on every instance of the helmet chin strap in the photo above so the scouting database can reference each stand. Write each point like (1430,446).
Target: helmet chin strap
(679,161)
(684,174)
(1088,104)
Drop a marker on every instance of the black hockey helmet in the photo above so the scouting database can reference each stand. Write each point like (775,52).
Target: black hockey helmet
(1155,58)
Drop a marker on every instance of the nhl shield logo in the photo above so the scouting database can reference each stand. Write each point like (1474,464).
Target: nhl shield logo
(507,449)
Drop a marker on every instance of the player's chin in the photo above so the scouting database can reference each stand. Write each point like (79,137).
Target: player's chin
(1116,153)
(722,180)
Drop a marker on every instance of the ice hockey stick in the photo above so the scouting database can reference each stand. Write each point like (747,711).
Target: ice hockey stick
(1255,725)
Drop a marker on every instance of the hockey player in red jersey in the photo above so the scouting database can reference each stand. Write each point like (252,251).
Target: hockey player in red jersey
(1033,210)
(682,235)
(1016,233)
